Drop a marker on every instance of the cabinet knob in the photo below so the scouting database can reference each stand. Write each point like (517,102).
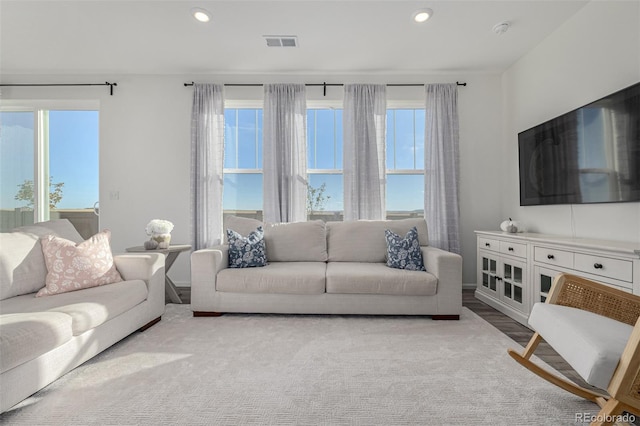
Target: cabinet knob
(550,256)
(487,245)
(510,249)
(597,265)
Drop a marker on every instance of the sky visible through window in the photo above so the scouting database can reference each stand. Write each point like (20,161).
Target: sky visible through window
(73,156)
(405,158)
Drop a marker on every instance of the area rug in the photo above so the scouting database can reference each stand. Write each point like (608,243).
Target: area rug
(303,370)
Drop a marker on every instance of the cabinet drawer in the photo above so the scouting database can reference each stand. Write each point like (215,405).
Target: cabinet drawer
(605,267)
(514,249)
(488,244)
(553,256)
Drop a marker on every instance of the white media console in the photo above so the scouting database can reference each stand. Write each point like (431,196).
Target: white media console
(516,270)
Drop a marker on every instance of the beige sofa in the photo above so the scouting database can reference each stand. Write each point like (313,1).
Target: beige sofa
(42,338)
(337,268)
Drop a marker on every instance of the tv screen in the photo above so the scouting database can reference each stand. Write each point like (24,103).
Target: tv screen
(589,155)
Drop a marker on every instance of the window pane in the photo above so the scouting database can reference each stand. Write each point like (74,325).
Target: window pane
(247,139)
(324,139)
(73,168)
(404,139)
(16,169)
(259,130)
(325,197)
(419,115)
(338,142)
(405,196)
(390,139)
(311,139)
(230,139)
(242,194)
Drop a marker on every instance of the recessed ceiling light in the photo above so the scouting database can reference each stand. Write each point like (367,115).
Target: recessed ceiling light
(201,15)
(422,15)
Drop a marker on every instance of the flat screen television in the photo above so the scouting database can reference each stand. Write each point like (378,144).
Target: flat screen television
(588,155)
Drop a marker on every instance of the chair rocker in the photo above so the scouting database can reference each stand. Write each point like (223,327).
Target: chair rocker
(594,328)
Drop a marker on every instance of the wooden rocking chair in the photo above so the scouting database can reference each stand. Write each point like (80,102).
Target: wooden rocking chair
(595,328)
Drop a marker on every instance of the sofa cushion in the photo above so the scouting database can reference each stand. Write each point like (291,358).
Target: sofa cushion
(404,252)
(286,242)
(296,242)
(26,336)
(242,225)
(247,252)
(276,277)
(22,267)
(59,227)
(364,240)
(87,308)
(592,344)
(75,266)
(378,278)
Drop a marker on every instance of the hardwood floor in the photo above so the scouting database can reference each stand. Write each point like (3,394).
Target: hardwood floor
(508,326)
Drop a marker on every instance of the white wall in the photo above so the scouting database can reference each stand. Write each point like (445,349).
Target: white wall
(145,146)
(593,54)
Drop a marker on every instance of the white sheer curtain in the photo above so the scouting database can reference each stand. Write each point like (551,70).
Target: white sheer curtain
(207,159)
(441,171)
(364,120)
(285,153)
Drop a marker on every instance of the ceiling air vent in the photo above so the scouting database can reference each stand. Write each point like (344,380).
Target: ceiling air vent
(281,41)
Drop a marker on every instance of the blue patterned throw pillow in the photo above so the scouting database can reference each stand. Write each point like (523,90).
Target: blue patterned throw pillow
(246,252)
(404,253)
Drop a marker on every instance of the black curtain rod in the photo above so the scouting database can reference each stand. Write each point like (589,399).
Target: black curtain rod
(324,85)
(64,84)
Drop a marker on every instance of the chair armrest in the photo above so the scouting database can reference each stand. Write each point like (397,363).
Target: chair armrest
(205,266)
(148,267)
(625,382)
(447,267)
(581,293)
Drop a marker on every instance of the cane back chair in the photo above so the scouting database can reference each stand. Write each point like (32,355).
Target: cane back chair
(595,328)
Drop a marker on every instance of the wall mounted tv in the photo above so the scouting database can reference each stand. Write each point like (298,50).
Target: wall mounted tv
(589,155)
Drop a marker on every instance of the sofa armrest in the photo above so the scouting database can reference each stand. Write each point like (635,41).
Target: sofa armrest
(447,267)
(205,266)
(148,267)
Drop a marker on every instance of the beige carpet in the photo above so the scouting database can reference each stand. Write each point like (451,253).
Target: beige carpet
(303,370)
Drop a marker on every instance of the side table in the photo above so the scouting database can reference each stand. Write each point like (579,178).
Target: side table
(171,254)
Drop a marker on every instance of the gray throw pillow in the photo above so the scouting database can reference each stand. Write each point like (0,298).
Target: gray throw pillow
(246,252)
(404,253)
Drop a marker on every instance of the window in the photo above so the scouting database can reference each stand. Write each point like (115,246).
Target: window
(49,167)
(324,165)
(405,163)
(243,163)
(242,195)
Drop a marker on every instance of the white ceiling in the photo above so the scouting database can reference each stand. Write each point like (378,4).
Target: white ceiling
(335,37)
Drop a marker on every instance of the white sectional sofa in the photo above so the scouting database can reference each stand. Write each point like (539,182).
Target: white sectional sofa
(332,268)
(42,338)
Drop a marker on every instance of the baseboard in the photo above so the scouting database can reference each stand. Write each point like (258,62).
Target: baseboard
(469,286)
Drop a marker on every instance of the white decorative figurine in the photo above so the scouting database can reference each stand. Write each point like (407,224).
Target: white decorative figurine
(509,226)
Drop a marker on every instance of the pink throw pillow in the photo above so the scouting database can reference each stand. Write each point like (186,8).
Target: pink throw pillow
(72,266)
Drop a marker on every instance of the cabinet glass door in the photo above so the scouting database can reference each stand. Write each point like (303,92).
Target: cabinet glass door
(544,279)
(489,274)
(513,285)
